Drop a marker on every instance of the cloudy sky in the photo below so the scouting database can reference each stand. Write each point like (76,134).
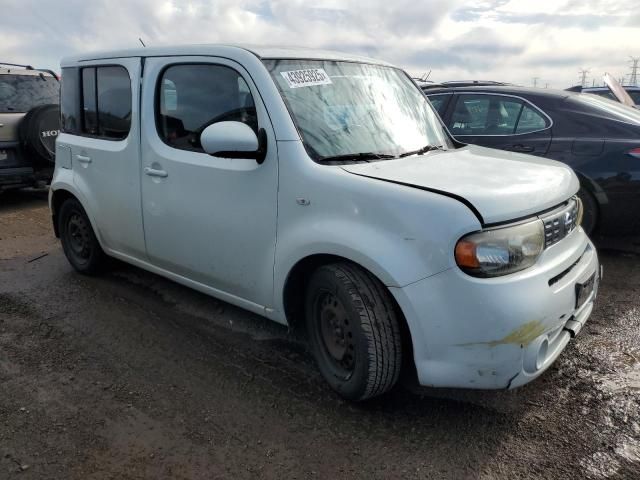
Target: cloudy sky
(510,40)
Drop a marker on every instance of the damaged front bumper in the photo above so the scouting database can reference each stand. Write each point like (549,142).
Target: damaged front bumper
(500,332)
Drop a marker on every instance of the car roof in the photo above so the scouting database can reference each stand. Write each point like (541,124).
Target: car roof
(262,52)
(605,88)
(502,89)
(25,72)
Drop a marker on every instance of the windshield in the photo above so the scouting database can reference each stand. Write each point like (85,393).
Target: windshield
(614,109)
(343,109)
(21,93)
(635,96)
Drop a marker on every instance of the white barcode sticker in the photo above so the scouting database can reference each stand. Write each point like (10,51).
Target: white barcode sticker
(306,78)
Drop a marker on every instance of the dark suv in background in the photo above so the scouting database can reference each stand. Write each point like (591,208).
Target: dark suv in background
(29,125)
(598,138)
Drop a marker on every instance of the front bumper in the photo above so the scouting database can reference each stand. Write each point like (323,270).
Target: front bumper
(500,332)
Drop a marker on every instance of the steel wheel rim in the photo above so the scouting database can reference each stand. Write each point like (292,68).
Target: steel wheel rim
(335,332)
(78,236)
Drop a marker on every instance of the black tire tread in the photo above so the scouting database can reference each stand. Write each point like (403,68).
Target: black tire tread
(379,322)
(589,203)
(99,258)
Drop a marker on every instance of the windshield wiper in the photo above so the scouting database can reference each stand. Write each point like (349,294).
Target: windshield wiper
(363,156)
(420,151)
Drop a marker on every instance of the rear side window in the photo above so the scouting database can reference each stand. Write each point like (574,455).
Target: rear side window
(192,97)
(21,93)
(106,102)
(494,115)
(70,101)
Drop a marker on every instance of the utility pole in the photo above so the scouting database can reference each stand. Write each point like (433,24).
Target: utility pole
(583,77)
(535,81)
(633,76)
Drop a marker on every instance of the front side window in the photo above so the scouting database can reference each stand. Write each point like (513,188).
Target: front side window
(106,102)
(476,114)
(192,97)
(343,109)
(439,102)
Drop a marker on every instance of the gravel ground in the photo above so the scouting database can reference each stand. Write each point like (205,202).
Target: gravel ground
(132,376)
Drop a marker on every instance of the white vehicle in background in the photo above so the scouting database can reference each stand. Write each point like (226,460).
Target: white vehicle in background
(321,189)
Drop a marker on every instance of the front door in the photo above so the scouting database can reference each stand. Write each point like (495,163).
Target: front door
(500,121)
(211,220)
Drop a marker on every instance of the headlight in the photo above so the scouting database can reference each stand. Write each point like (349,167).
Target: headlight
(500,251)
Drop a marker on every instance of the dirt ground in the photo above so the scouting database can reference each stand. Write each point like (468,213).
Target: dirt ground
(130,376)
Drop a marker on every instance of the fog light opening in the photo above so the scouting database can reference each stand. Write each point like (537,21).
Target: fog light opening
(542,354)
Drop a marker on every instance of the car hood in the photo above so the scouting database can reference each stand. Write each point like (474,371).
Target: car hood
(499,186)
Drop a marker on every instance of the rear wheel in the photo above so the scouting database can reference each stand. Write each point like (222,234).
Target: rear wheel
(353,330)
(590,215)
(79,242)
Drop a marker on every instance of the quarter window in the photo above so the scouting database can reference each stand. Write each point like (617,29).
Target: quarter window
(70,101)
(192,97)
(106,102)
(89,102)
(494,115)
(530,121)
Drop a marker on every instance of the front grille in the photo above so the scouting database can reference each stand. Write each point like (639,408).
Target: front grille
(560,223)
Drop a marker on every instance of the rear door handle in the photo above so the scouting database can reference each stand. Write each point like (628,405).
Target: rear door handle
(522,148)
(83,159)
(152,172)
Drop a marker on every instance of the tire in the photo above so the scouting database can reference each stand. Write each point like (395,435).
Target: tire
(80,245)
(38,132)
(354,331)
(590,208)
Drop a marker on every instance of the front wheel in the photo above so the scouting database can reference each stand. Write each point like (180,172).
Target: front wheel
(590,215)
(79,242)
(354,331)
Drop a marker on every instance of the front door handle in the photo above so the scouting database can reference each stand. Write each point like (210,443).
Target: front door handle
(83,159)
(152,172)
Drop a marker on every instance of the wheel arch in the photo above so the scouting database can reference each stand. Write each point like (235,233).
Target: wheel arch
(58,197)
(294,290)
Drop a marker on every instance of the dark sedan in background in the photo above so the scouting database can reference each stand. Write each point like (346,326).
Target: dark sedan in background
(598,138)
(634,92)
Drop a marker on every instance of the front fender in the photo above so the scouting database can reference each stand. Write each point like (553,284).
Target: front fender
(398,233)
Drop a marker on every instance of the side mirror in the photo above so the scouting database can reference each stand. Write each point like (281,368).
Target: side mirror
(234,140)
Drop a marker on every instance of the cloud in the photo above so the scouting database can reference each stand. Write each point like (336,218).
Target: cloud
(510,40)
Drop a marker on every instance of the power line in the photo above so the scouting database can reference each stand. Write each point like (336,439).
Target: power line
(633,76)
(583,76)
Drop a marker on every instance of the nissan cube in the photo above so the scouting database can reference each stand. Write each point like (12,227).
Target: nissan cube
(321,191)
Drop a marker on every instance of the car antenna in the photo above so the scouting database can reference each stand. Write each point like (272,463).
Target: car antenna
(142,42)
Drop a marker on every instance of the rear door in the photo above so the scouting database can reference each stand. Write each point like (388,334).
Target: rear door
(105,151)
(209,219)
(499,121)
